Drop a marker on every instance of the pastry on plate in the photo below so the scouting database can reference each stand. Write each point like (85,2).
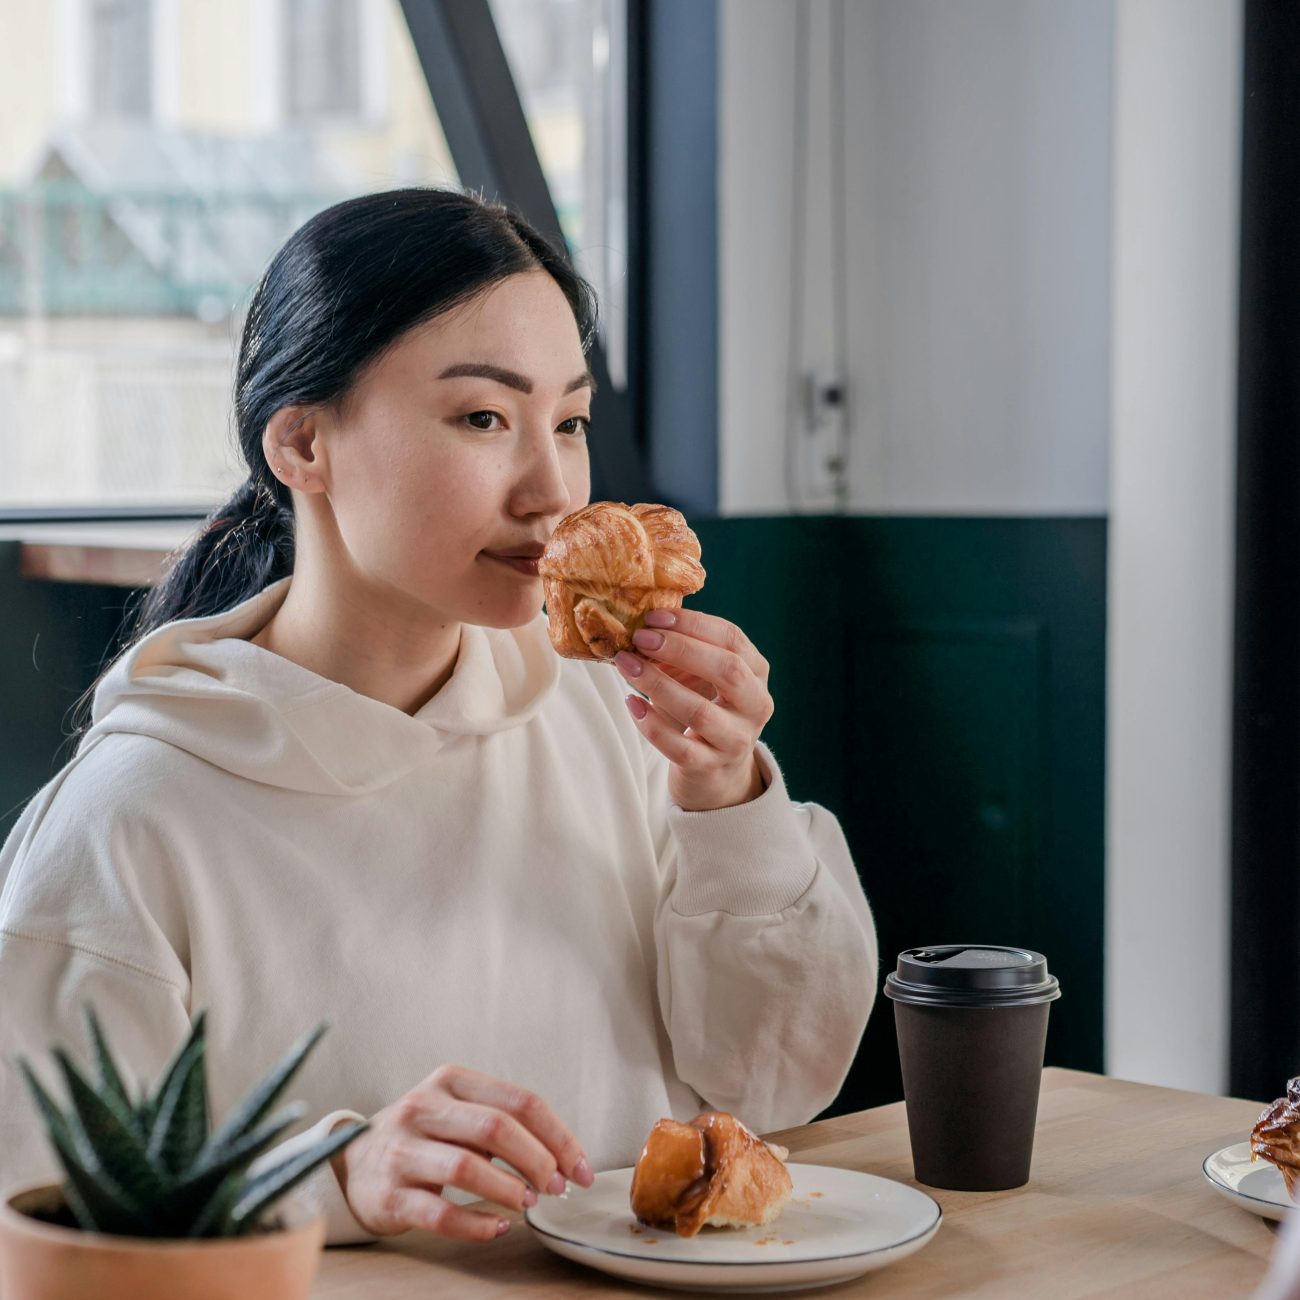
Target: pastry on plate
(712,1172)
(606,565)
(1276,1136)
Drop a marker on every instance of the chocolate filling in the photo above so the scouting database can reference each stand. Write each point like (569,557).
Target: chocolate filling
(677,1188)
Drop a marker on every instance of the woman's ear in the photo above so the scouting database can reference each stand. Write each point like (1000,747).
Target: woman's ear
(295,450)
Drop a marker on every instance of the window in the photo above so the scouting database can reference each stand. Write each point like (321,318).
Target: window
(569,61)
(120,71)
(323,56)
(155,153)
(132,232)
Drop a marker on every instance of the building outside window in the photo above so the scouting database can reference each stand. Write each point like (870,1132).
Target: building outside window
(155,153)
(140,204)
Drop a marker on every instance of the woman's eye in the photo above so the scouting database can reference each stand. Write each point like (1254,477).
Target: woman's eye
(475,416)
(582,421)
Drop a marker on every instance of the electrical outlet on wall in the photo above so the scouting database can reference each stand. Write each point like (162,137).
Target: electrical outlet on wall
(822,448)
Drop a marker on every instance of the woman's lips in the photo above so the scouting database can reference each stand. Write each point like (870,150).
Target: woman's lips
(520,563)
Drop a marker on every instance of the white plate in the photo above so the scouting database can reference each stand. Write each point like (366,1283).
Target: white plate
(838,1224)
(1257,1187)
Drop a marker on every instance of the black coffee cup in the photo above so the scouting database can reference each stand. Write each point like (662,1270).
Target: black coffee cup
(972,1027)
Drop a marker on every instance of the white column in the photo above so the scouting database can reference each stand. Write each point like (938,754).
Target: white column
(165,37)
(267,39)
(72,60)
(1174,282)
(376,74)
(756,255)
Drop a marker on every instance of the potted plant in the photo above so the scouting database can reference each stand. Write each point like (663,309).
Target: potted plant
(155,1202)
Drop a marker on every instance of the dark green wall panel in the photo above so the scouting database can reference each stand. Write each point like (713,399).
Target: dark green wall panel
(947,782)
(52,638)
(940,685)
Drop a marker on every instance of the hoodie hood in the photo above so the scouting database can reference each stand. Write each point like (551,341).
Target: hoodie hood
(201,685)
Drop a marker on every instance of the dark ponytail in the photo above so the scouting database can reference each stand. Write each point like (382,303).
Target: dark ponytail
(345,287)
(245,545)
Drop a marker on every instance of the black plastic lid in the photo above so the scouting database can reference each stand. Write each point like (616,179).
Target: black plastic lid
(971,975)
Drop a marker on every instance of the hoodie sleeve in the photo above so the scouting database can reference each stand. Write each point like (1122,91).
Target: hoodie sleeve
(74,931)
(767,951)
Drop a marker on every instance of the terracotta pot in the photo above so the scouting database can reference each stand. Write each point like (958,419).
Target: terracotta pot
(43,1261)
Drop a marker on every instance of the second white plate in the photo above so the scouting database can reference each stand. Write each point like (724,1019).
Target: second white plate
(838,1224)
(1255,1186)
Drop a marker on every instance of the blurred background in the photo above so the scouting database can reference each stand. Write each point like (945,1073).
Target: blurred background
(964,331)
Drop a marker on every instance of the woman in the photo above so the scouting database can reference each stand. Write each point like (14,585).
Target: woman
(342,776)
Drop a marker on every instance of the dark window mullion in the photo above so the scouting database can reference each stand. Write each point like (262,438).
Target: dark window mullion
(483,120)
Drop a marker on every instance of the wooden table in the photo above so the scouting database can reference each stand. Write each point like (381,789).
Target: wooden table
(1116,1206)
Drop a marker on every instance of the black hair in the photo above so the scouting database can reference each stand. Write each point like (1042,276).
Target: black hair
(343,289)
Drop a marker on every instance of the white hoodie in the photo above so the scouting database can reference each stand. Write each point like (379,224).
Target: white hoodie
(499,881)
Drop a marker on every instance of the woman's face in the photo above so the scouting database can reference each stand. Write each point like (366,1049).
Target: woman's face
(465,442)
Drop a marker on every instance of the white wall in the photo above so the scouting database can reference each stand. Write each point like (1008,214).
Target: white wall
(1043,210)
(1176,219)
(755,178)
(975,185)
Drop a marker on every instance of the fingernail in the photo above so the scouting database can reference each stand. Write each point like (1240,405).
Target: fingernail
(637,707)
(557,1186)
(646,639)
(582,1173)
(530,1197)
(503,1226)
(629,664)
(660,618)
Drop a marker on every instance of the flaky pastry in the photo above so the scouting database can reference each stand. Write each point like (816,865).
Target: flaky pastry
(712,1172)
(1276,1136)
(606,565)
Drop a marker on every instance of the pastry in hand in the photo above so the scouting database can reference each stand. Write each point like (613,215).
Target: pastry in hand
(606,565)
(1276,1136)
(712,1172)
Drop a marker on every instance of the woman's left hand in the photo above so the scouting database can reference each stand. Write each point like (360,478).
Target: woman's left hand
(707,705)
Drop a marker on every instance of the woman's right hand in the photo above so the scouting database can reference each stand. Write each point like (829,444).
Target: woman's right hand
(444,1133)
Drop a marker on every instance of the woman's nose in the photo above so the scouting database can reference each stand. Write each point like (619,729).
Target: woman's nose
(540,488)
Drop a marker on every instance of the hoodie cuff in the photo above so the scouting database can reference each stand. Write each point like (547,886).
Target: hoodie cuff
(753,859)
(320,1192)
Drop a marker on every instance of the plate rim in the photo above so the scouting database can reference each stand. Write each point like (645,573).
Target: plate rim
(764,1264)
(1236,1191)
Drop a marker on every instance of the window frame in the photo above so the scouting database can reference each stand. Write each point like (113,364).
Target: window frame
(483,121)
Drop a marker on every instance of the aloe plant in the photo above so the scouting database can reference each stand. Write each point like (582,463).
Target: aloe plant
(155,1167)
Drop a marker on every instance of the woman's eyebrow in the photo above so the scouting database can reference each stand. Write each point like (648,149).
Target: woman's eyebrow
(511,379)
